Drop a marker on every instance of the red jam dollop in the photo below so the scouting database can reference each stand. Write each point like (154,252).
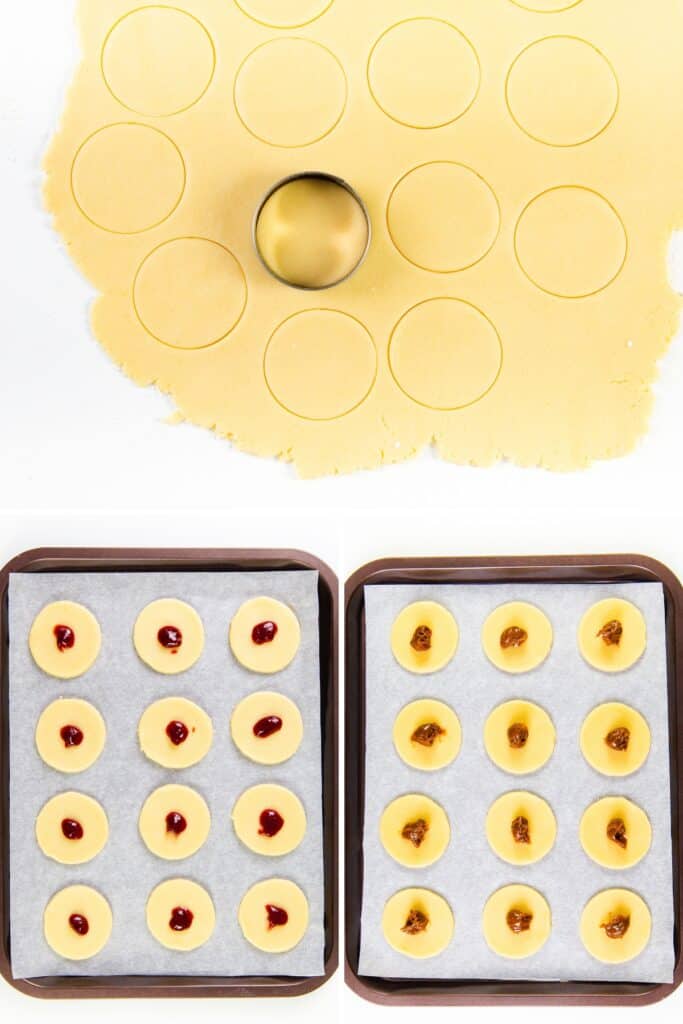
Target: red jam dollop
(177,733)
(181,919)
(79,924)
(277,916)
(264,633)
(72,829)
(271,822)
(171,638)
(176,823)
(266,727)
(64,637)
(71,735)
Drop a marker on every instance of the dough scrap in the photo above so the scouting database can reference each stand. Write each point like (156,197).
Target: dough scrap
(58,751)
(86,903)
(425,942)
(166,842)
(253,915)
(77,652)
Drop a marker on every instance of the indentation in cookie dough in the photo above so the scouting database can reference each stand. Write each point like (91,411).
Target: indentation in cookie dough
(70,735)
(562,91)
(546,6)
(418,923)
(521,828)
(424,73)
(267,727)
(190,293)
(269,820)
(424,637)
(143,54)
(320,364)
(519,737)
(72,828)
(615,926)
(290,92)
(517,637)
(180,914)
(571,242)
(273,915)
(169,636)
(65,639)
(175,733)
(427,735)
(615,739)
(77,922)
(174,822)
(517,922)
(615,832)
(445,354)
(414,830)
(612,635)
(284,13)
(265,635)
(443,217)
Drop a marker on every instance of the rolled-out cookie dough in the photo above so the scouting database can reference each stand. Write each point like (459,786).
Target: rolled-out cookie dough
(273,915)
(519,737)
(265,635)
(424,637)
(169,636)
(77,922)
(602,910)
(175,732)
(174,822)
(503,822)
(70,735)
(180,914)
(269,819)
(418,923)
(512,942)
(612,635)
(72,828)
(605,721)
(427,735)
(517,637)
(414,830)
(65,639)
(267,727)
(625,843)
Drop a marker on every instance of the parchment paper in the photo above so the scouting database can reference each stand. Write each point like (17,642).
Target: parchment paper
(121,687)
(469,872)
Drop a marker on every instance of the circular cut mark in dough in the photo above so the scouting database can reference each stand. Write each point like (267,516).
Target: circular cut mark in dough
(189,293)
(320,364)
(443,217)
(603,909)
(169,921)
(541,827)
(418,923)
(273,915)
(424,73)
(511,755)
(184,746)
(612,657)
(419,743)
(158,60)
(562,91)
(500,937)
(284,13)
(70,735)
(265,635)
(445,354)
(72,828)
(427,825)
(290,92)
(267,727)
(175,623)
(635,834)
(128,178)
(508,654)
(78,904)
(269,820)
(570,242)
(184,832)
(65,639)
(600,724)
(546,6)
(424,637)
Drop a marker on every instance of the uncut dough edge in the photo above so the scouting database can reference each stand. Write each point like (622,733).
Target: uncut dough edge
(578,426)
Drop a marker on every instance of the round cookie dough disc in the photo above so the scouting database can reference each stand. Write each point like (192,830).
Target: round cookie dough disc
(427,942)
(444,637)
(542,827)
(156,835)
(168,612)
(407,810)
(273,655)
(605,851)
(62,938)
(246,818)
(498,934)
(603,908)
(280,745)
(57,752)
(253,915)
(155,742)
(540,742)
(445,746)
(65,662)
(535,648)
(180,893)
(603,720)
(72,807)
(613,657)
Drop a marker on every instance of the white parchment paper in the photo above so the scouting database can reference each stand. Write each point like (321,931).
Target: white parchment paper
(469,872)
(121,687)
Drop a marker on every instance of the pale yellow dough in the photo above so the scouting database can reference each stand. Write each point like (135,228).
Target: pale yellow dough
(631,646)
(599,723)
(60,936)
(280,745)
(500,938)
(446,746)
(404,811)
(542,827)
(74,807)
(168,612)
(155,743)
(603,850)
(444,638)
(51,746)
(67,663)
(152,822)
(532,652)
(187,895)
(247,812)
(600,910)
(540,743)
(253,915)
(275,655)
(424,944)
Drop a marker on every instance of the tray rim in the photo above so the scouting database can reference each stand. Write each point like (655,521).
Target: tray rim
(499,569)
(147,559)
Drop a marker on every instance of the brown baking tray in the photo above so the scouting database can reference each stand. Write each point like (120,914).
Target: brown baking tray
(561,569)
(79,560)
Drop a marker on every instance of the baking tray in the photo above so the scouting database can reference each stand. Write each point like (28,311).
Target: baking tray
(79,560)
(561,569)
